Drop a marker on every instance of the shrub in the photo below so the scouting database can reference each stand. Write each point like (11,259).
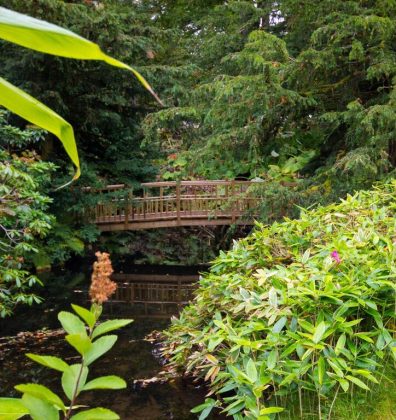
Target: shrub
(302,306)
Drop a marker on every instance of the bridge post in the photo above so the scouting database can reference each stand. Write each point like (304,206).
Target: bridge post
(178,201)
(126,210)
(233,201)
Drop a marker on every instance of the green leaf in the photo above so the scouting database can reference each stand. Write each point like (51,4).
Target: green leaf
(358,382)
(105,382)
(71,323)
(251,371)
(351,323)
(205,413)
(96,414)
(271,361)
(113,324)
(24,105)
(236,406)
(99,347)
(271,410)
(70,377)
(51,39)
(344,384)
(336,369)
(12,409)
(41,392)
(204,408)
(278,326)
(306,325)
(81,342)
(40,409)
(85,314)
(321,369)
(364,336)
(366,374)
(319,332)
(214,342)
(340,344)
(51,362)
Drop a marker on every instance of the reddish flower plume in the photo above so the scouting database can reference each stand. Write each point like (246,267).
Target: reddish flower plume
(101,285)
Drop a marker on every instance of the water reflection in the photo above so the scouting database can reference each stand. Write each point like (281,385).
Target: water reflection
(139,296)
(151,295)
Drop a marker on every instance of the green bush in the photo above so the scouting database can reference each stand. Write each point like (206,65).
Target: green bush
(299,307)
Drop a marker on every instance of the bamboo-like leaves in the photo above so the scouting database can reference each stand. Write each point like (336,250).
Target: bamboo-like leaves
(316,327)
(50,39)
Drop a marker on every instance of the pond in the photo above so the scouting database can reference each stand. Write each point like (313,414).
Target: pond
(148,296)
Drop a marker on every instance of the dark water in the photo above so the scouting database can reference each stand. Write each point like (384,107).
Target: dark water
(150,299)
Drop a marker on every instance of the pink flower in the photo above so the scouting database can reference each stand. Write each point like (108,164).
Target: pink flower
(336,257)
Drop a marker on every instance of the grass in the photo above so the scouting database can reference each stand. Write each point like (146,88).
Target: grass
(380,404)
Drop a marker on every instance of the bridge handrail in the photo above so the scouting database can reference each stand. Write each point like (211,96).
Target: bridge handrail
(215,199)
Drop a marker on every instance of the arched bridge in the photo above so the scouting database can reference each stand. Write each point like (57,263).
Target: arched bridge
(176,203)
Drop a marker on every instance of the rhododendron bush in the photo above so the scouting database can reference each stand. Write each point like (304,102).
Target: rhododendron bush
(300,307)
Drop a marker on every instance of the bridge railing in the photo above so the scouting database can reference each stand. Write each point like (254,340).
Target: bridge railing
(176,201)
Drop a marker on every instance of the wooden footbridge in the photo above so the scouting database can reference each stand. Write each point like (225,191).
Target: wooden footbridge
(169,204)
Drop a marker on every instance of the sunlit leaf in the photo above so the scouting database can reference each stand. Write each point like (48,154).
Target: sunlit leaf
(71,323)
(105,382)
(71,376)
(29,108)
(81,342)
(51,362)
(251,370)
(40,409)
(358,382)
(271,410)
(319,332)
(12,408)
(99,347)
(111,325)
(96,414)
(85,314)
(51,39)
(41,392)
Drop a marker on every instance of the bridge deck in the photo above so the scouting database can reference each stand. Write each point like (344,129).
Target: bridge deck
(169,204)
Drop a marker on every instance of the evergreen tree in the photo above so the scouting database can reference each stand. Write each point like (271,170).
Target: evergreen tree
(284,88)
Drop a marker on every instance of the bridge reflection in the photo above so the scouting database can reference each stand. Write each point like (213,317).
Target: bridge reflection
(151,295)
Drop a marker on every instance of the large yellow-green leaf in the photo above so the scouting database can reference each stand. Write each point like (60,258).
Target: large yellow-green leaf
(19,102)
(52,39)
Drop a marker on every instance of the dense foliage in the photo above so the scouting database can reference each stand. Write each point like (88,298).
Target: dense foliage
(24,217)
(305,305)
(280,82)
(300,95)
